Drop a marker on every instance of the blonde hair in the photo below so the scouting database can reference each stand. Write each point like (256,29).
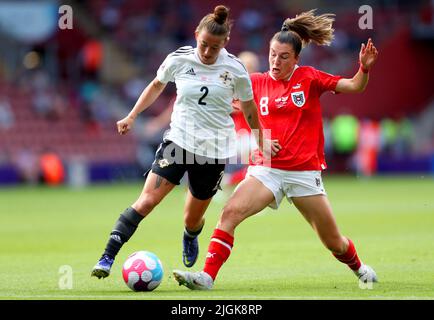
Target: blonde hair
(306,28)
(216,23)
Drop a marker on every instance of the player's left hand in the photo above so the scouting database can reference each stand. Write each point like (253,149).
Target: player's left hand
(270,147)
(368,55)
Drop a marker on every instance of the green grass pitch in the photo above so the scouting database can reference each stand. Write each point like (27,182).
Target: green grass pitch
(276,253)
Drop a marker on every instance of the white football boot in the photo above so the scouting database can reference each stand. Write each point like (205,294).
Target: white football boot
(366,274)
(194,280)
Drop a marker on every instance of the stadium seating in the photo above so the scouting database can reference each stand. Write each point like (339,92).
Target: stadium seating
(69,136)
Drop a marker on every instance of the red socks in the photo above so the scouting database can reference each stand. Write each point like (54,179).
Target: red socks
(222,242)
(219,250)
(350,257)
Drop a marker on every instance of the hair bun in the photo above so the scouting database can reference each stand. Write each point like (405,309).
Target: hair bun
(285,27)
(221,14)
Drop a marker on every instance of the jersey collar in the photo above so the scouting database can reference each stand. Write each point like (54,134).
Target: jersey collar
(220,57)
(295,68)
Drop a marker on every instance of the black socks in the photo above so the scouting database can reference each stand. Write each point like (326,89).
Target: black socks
(192,234)
(123,229)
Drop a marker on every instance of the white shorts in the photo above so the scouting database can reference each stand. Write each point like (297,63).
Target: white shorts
(288,183)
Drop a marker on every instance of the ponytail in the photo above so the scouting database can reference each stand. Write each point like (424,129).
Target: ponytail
(306,28)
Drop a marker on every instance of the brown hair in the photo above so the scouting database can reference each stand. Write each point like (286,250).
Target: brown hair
(216,23)
(306,28)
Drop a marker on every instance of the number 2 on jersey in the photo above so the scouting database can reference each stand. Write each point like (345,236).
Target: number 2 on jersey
(201,102)
(263,106)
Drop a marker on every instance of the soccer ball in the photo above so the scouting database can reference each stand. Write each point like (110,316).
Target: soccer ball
(142,271)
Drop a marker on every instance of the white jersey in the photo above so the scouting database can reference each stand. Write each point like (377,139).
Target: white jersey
(201,121)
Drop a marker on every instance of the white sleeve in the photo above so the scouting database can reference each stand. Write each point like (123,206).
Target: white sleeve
(166,72)
(243,88)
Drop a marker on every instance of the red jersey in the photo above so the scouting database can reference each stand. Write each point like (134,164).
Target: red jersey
(292,110)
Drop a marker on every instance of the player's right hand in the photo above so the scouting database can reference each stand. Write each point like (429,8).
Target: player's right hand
(125,125)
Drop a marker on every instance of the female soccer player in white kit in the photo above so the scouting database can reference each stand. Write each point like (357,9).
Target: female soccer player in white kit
(201,136)
(287,97)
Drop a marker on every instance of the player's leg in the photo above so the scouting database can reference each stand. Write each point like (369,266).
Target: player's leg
(194,221)
(204,181)
(154,190)
(250,197)
(317,210)
(159,182)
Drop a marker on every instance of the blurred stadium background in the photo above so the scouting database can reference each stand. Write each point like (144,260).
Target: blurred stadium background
(61,91)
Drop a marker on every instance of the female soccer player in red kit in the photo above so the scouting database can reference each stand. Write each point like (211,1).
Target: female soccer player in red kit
(287,97)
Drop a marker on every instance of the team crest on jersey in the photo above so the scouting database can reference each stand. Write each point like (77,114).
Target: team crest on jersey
(226,78)
(298,98)
(163,163)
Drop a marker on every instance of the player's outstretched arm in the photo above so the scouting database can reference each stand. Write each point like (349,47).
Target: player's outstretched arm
(367,58)
(148,96)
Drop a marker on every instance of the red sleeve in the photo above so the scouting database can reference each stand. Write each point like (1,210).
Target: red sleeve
(326,81)
(255,78)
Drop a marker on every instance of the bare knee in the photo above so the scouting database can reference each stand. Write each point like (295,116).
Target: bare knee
(232,215)
(146,203)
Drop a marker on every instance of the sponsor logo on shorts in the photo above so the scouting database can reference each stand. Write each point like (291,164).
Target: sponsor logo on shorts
(217,186)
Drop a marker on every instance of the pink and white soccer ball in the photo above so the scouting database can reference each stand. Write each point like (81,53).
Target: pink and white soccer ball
(142,271)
